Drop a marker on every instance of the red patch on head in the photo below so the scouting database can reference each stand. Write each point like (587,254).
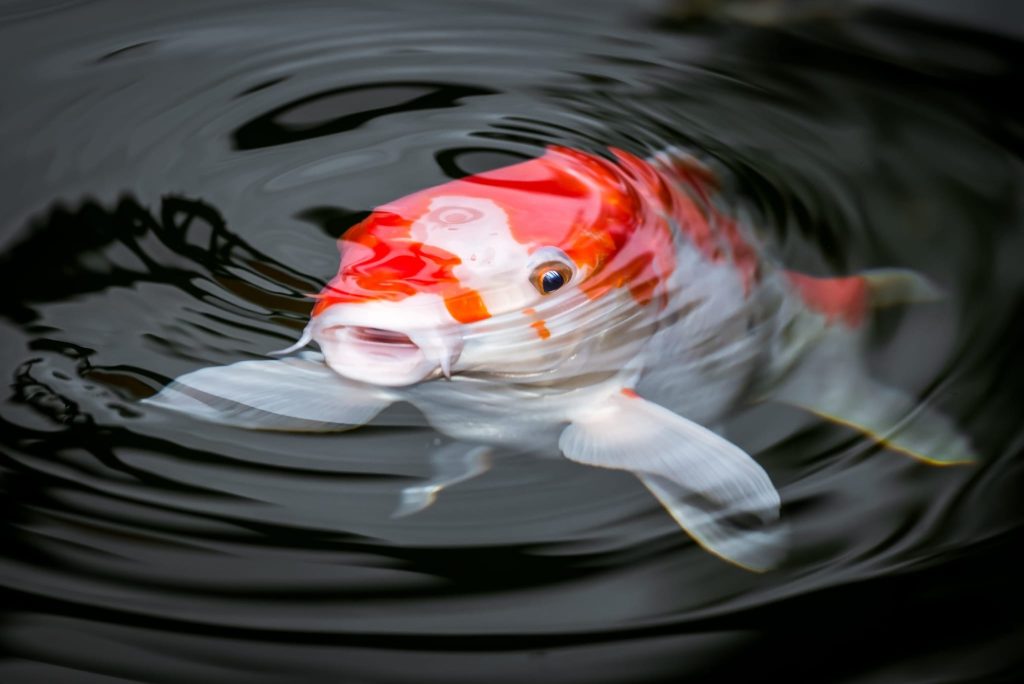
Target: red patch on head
(381,261)
(608,217)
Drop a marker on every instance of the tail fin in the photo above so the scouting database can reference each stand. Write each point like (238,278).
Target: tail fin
(849,298)
(822,372)
(893,286)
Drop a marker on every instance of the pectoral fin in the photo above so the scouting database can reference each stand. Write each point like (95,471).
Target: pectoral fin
(451,464)
(295,393)
(710,486)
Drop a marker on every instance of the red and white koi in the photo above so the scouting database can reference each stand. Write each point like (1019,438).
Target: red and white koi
(600,304)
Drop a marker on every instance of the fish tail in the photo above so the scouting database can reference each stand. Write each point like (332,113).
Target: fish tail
(850,298)
(894,286)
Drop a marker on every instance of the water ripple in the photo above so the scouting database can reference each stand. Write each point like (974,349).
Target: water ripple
(175,188)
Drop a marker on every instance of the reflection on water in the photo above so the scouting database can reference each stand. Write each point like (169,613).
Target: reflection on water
(173,187)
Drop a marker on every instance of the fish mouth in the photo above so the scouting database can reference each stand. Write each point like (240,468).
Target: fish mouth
(385,356)
(387,340)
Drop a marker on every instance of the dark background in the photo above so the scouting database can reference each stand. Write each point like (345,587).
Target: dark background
(172,183)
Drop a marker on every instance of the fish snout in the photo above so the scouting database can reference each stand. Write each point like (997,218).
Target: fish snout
(385,350)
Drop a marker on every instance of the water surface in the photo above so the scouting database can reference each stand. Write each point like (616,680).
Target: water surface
(173,184)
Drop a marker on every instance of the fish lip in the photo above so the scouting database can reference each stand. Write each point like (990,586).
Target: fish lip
(360,350)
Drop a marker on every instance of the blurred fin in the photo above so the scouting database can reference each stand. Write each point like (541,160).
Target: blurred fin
(282,394)
(892,286)
(832,383)
(451,464)
(817,366)
(711,487)
(756,548)
(849,298)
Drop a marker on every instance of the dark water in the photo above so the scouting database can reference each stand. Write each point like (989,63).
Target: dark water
(173,181)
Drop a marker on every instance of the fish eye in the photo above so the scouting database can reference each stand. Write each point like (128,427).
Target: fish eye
(550,276)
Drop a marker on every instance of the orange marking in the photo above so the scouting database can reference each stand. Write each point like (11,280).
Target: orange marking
(630,393)
(466,306)
(529,311)
(542,329)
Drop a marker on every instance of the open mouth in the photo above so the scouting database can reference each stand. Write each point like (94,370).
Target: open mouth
(375,355)
(380,336)
(377,343)
(386,344)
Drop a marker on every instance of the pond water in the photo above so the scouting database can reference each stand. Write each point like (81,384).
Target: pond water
(173,184)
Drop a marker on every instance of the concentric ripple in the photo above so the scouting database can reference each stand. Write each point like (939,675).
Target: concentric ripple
(174,183)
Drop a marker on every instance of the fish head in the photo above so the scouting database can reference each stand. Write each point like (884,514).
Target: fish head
(493,273)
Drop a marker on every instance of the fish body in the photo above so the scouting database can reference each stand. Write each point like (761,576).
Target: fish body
(598,305)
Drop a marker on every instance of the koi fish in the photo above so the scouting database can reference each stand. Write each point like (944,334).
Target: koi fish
(598,305)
